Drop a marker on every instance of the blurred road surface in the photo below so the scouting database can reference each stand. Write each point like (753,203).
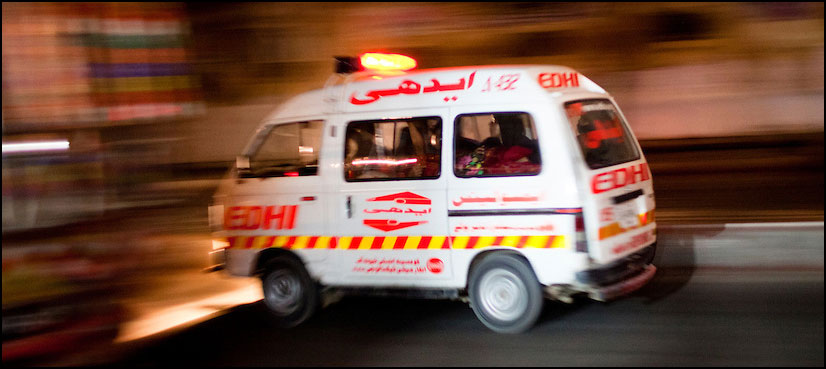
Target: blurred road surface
(684,317)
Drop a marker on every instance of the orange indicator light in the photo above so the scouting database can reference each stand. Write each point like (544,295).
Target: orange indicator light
(387,62)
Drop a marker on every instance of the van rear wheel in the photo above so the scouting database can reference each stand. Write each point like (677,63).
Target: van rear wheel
(289,292)
(505,294)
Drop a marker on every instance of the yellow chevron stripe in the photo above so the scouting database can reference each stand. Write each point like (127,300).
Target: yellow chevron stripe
(559,243)
(344,242)
(280,241)
(323,242)
(537,242)
(511,241)
(301,242)
(412,242)
(436,242)
(366,242)
(460,242)
(387,243)
(484,241)
(260,242)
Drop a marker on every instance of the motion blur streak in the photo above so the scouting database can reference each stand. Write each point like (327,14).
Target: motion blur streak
(35,146)
(158,321)
(151,102)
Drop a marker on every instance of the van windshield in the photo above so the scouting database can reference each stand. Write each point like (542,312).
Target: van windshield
(602,135)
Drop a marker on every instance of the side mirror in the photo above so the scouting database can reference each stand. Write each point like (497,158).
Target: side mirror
(242,164)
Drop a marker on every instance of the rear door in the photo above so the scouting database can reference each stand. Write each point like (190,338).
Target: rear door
(619,205)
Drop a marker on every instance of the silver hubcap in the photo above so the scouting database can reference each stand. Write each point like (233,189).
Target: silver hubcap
(503,295)
(283,292)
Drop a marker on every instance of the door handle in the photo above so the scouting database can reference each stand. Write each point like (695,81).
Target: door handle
(627,197)
(349,207)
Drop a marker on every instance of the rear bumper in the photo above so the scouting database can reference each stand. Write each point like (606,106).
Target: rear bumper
(625,287)
(620,277)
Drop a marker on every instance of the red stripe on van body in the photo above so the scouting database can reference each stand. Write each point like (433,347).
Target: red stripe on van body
(400,241)
(424,242)
(377,241)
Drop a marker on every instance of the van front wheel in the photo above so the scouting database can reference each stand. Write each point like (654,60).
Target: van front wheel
(289,292)
(505,294)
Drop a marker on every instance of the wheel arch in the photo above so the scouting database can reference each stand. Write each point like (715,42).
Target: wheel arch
(264,257)
(495,251)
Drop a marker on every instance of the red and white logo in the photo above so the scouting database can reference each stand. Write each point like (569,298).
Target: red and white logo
(620,178)
(388,225)
(260,217)
(435,266)
(403,198)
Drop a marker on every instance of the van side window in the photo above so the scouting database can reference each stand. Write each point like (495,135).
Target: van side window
(393,149)
(287,150)
(495,145)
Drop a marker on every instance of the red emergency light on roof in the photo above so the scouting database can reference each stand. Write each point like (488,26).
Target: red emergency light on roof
(378,62)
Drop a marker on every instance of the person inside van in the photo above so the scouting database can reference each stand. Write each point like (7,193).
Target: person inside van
(419,140)
(513,152)
(360,145)
(407,150)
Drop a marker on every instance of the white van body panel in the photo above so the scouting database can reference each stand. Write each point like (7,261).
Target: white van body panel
(457,218)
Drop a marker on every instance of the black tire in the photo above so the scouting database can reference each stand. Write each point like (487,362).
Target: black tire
(289,292)
(505,294)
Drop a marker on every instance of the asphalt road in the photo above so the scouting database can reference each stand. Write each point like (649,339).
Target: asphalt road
(684,317)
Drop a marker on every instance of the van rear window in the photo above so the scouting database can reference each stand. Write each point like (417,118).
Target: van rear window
(495,145)
(602,135)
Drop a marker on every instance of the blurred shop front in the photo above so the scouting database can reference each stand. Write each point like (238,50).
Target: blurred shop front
(87,87)
(83,85)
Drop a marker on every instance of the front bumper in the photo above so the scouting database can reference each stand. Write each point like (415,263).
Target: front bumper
(217,261)
(620,277)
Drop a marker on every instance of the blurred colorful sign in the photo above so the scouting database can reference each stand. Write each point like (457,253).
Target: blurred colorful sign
(75,65)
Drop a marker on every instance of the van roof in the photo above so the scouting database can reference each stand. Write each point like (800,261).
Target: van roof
(442,87)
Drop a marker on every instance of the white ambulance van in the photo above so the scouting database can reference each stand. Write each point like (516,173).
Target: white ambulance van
(502,186)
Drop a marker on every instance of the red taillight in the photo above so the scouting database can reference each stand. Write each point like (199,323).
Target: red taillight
(580,223)
(581,239)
